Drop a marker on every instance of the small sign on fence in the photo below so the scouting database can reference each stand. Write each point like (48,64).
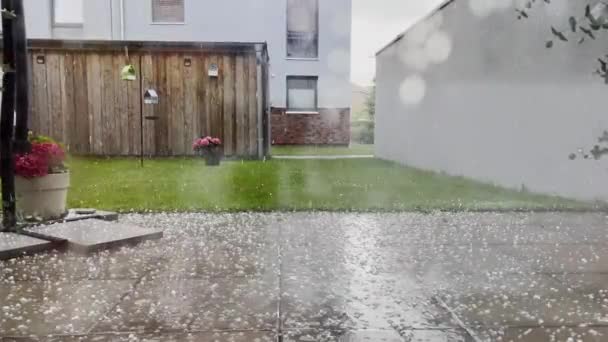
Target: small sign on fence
(214,70)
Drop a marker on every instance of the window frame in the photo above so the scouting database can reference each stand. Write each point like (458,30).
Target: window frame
(291,110)
(54,22)
(317,18)
(152,22)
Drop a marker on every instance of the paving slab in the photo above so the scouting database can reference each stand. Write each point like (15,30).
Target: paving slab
(321,277)
(15,245)
(56,308)
(90,236)
(220,336)
(541,334)
(324,335)
(79,214)
(222,304)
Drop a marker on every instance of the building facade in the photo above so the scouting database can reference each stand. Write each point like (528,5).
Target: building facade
(473,91)
(309,43)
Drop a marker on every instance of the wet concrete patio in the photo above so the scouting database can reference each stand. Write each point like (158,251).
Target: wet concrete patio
(323,277)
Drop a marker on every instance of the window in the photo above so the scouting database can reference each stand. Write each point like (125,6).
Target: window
(302,93)
(68,12)
(168,11)
(302,28)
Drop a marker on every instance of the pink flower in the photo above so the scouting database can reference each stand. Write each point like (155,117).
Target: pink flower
(202,143)
(40,161)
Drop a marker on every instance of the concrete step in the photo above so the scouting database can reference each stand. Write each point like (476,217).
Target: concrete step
(89,236)
(15,245)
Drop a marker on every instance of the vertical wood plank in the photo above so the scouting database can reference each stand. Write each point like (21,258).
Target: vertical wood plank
(119,112)
(40,114)
(107,119)
(33,122)
(149,82)
(228,110)
(176,118)
(213,99)
(204,95)
(94,93)
(245,136)
(253,108)
(240,90)
(191,108)
(164,109)
(81,110)
(220,98)
(68,116)
(133,96)
(184,133)
(53,75)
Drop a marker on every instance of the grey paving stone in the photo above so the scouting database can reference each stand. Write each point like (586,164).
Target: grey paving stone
(15,245)
(56,308)
(90,236)
(335,277)
(541,334)
(373,336)
(244,304)
(241,336)
(73,215)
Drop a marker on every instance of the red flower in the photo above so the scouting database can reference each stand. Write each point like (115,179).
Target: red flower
(40,161)
(31,166)
(205,142)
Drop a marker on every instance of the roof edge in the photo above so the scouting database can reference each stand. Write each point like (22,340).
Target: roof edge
(400,36)
(50,44)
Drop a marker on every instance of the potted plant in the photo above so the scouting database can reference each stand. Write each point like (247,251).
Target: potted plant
(42,180)
(209,148)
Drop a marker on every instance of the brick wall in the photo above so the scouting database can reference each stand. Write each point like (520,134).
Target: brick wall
(329,127)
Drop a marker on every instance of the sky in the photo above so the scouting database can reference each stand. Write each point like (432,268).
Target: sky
(375,24)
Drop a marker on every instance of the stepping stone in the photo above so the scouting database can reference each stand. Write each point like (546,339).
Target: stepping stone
(89,236)
(85,214)
(15,245)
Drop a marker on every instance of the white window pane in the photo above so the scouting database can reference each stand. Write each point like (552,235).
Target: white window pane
(302,15)
(302,98)
(168,11)
(68,11)
(302,28)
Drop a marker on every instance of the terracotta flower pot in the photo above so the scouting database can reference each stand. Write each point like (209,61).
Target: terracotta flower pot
(42,197)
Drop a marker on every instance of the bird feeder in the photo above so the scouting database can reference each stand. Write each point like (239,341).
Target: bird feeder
(214,70)
(128,73)
(151,97)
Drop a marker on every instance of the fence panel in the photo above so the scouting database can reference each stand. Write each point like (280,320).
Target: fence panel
(78,97)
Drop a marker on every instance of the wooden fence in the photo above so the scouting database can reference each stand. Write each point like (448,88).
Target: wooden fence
(79,98)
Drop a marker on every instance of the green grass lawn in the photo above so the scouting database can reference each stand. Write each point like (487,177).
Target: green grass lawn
(367,184)
(323,150)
